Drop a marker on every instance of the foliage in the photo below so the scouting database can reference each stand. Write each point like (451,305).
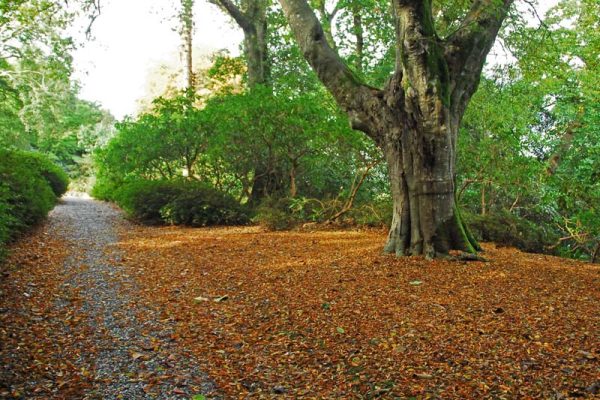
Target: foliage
(143,199)
(39,104)
(528,146)
(200,205)
(178,202)
(289,143)
(276,214)
(29,188)
(236,141)
(507,229)
(55,176)
(264,136)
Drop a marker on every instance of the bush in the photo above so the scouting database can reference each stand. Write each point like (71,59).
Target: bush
(274,219)
(202,206)
(29,188)
(143,199)
(510,230)
(276,214)
(285,213)
(56,177)
(376,213)
(7,220)
(179,203)
(103,189)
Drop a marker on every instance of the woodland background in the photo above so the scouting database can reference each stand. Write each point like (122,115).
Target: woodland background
(223,145)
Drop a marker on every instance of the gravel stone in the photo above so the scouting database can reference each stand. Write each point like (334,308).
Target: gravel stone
(133,359)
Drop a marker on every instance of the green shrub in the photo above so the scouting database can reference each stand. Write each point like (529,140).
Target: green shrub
(7,220)
(29,187)
(56,177)
(274,219)
(203,206)
(143,199)
(104,189)
(276,214)
(510,230)
(30,195)
(177,202)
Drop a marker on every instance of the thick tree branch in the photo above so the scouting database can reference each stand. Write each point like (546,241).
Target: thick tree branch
(235,13)
(351,94)
(467,48)
(327,21)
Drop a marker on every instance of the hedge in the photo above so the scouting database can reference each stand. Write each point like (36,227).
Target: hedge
(174,202)
(30,185)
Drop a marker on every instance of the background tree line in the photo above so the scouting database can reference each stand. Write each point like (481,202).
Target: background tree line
(46,131)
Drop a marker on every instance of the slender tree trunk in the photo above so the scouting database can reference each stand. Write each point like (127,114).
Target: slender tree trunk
(327,21)
(595,254)
(187,32)
(189,62)
(360,41)
(255,51)
(293,187)
(251,17)
(483,203)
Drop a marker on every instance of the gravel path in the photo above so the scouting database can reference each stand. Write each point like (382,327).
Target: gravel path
(129,357)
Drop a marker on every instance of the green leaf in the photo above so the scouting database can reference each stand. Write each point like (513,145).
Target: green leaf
(415,283)
(198,397)
(340,330)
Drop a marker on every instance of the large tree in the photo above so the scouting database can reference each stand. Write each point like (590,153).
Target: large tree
(415,117)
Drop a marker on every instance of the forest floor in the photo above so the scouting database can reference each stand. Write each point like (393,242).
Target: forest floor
(92,306)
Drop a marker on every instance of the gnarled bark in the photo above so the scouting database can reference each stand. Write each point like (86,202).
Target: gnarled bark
(415,118)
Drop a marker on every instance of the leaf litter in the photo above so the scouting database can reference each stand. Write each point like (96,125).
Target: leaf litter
(326,315)
(292,315)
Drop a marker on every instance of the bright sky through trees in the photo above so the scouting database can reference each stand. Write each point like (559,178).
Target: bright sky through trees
(134,35)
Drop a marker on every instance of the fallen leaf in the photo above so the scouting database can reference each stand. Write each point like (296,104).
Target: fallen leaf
(221,299)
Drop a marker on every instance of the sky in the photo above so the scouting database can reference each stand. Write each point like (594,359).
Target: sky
(133,36)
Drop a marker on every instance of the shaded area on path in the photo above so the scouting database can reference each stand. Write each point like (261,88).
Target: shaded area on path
(116,353)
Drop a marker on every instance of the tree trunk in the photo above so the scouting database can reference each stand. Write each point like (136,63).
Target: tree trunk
(483,203)
(327,20)
(255,51)
(360,41)
(595,254)
(267,184)
(421,168)
(293,187)
(187,20)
